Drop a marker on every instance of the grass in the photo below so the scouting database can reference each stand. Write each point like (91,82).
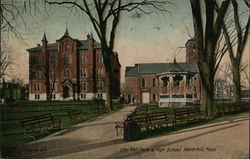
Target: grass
(12,134)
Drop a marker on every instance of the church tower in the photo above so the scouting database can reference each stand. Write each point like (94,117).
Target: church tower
(191,52)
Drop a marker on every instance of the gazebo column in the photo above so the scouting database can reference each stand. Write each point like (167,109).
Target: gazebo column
(185,84)
(170,85)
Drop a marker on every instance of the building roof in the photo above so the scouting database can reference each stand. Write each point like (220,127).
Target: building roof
(82,45)
(159,68)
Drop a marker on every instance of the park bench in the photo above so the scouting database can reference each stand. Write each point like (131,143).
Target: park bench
(159,119)
(229,109)
(38,122)
(75,113)
(187,114)
(151,120)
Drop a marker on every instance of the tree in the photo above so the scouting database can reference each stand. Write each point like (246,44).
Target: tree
(236,54)
(206,36)
(224,77)
(105,16)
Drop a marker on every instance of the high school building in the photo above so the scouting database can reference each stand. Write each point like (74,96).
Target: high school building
(72,68)
(167,84)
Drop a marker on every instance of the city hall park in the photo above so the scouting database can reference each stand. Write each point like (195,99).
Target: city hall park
(12,134)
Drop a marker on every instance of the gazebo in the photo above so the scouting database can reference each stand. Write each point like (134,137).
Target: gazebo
(178,86)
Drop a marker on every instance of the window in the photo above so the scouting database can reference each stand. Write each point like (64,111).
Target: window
(154,97)
(37,87)
(154,82)
(194,49)
(83,96)
(84,72)
(84,86)
(67,72)
(100,85)
(53,87)
(84,58)
(67,47)
(53,96)
(99,58)
(54,59)
(143,83)
(99,95)
(36,60)
(37,96)
(100,72)
(67,58)
(37,74)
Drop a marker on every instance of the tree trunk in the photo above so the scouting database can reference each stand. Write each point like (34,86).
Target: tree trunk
(207,104)
(108,87)
(207,98)
(237,85)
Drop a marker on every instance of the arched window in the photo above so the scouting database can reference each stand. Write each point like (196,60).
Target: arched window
(100,85)
(84,86)
(37,87)
(84,58)
(67,58)
(154,82)
(37,74)
(100,72)
(143,83)
(100,58)
(84,72)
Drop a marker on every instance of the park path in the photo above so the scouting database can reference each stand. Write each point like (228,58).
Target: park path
(226,138)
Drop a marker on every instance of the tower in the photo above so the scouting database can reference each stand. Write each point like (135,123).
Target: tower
(191,52)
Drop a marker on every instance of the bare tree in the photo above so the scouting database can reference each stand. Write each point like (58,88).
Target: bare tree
(206,41)
(236,55)
(6,61)
(12,15)
(105,16)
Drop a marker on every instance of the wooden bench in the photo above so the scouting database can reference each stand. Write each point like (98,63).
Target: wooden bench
(38,122)
(152,120)
(229,109)
(75,113)
(187,114)
(159,119)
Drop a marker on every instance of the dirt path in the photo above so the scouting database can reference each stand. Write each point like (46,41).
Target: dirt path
(225,139)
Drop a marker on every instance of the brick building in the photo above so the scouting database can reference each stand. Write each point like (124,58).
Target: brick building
(167,84)
(69,69)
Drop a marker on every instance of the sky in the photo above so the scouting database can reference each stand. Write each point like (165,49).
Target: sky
(150,38)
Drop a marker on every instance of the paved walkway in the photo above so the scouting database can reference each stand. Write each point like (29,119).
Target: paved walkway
(224,139)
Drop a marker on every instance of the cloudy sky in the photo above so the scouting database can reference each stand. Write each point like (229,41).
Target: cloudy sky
(149,38)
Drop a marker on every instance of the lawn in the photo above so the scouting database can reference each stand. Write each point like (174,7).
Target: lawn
(13,134)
